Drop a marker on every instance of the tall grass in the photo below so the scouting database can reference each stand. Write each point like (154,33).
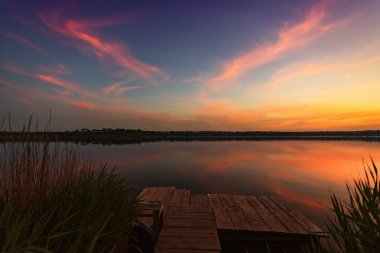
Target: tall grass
(355,227)
(55,199)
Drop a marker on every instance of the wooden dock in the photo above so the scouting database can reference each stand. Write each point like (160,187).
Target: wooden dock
(199,222)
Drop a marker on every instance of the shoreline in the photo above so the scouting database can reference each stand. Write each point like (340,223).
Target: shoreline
(122,136)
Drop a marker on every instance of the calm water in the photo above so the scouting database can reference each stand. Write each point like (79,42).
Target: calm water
(299,172)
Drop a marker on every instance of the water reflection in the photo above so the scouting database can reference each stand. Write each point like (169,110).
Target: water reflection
(299,172)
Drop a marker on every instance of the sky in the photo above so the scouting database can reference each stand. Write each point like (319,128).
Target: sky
(239,65)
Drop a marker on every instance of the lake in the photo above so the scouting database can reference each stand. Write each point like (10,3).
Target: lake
(298,172)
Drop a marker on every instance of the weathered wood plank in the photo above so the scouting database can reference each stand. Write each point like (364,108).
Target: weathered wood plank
(215,200)
(190,215)
(183,232)
(147,194)
(189,223)
(205,201)
(300,218)
(189,229)
(238,219)
(193,200)
(200,200)
(281,215)
(222,218)
(190,209)
(184,251)
(189,243)
(163,193)
(186,198)
(227,200)
(165,202)
(255,220)
(176,198)
(154,194)
(273,223)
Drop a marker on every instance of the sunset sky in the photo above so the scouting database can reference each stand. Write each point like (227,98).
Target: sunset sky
(192,65)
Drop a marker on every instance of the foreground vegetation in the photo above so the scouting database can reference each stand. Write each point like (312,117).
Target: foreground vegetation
(55,199)
(355,227)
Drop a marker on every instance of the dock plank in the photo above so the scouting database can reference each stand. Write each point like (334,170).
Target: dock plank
(274,224)
(282,216)
(191,209)
(191,215)
(186,198)
(158,195)
(184,251)
(189,229)
(205,201)
(176,198)
(222,218)
(147,194)
(189,243)
(215,200)
(227,200)
(300,218)
(191,221)
(196,232)
(256,221)
(195,200)
(238,219)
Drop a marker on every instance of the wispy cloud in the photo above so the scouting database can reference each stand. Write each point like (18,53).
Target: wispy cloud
(61,83)
(28,95)
(290,37)
(119,88)
(59,69)
(295,71)
(15,69)
(22,40)
(86,33)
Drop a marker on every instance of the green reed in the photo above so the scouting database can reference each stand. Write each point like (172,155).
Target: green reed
(355,226)
(55,199)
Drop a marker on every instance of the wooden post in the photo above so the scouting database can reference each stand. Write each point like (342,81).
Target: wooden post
(156,223)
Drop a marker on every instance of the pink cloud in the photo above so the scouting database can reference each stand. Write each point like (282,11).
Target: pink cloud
(22,40)
(15,69)
(60,83)
(85,33)
(126,88)
(70,88)
(109,89)
(119,88)
(27,94)
(59,69)
(290,37)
